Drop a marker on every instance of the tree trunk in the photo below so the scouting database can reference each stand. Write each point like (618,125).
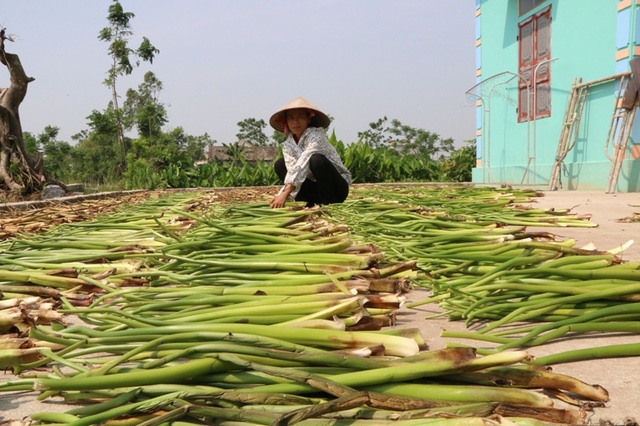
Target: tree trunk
(25,179)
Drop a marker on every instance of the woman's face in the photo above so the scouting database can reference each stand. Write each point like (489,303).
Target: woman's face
(298,120)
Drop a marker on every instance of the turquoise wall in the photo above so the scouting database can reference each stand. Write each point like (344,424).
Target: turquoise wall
(585,37)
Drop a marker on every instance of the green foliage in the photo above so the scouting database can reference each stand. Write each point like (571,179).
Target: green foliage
(143,109)
(457,167)
(252,131)
(169,161)
(165,160)
(369,164)
(96,159)
(366,163)
(374,136)
(117,34)
(235,153)
(140,174)
(146,51)
(103,123)
(57,155)
(405,139)
(385,164)
(278,137)
(30,144)
(207,175)
(99,150)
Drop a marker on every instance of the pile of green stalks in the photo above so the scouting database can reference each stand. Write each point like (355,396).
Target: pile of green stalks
(483,266)
(179,311)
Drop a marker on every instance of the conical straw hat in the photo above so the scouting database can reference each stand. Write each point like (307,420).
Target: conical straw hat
(319,118)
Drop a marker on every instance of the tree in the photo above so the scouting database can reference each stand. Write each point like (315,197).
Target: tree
(58,155)
(117,34)
(19,172)
(459,164)
(405,139)
(411,141)
(174,150)
(154,148)
(174,147)
(278,137)
(374,136)
(144,109)
(31,144)
(97,149)
(251,130)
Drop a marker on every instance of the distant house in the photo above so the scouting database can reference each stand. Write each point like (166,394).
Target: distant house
(555,94)
(250,152)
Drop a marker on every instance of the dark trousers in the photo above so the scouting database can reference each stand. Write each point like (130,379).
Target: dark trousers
(329,187)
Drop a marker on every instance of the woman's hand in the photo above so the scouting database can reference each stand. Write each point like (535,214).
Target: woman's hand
(280,199)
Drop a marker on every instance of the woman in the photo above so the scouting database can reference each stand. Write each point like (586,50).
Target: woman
(311,169)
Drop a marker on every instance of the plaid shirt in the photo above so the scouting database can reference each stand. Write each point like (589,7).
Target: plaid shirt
(296,157)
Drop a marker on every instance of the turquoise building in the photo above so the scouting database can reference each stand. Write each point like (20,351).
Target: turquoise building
(556,96)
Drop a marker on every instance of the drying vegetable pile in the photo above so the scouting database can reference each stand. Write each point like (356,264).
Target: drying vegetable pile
(182,310)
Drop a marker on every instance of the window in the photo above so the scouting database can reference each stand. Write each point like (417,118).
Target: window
(534,94)
(526,5)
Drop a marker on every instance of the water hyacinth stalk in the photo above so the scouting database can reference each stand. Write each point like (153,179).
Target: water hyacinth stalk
(465,394)
(404,372)
(13,357)
(609,351)
(534,379)
(395,345)
(173,374)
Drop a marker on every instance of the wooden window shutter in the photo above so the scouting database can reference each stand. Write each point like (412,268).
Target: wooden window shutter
(534,48)
(525,68)
(543,74)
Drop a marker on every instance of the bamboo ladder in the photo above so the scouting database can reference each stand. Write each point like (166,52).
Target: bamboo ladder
(619,130)
(569,131)
(623,115)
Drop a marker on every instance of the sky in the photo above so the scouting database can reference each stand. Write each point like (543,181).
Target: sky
(222,62)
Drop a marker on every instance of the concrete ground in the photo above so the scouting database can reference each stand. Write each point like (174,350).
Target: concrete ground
(619,376)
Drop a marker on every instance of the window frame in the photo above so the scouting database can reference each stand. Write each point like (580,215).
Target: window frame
(525,6)
(534,48)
